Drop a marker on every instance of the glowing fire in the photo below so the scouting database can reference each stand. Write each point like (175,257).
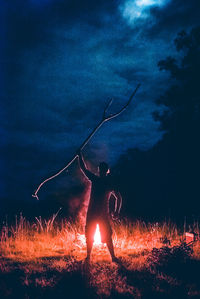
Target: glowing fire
(97,236)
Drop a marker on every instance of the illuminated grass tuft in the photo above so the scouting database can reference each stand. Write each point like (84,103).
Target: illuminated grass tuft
(47,238)
(46,257)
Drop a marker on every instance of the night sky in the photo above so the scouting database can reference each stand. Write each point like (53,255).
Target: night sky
(61,62)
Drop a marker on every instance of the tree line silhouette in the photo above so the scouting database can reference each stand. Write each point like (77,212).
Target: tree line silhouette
(165,180)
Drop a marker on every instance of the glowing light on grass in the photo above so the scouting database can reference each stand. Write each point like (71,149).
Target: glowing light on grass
(97,236)
(27,241)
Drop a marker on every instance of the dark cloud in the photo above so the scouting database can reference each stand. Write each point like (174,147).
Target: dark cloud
(63,60)
(174,17)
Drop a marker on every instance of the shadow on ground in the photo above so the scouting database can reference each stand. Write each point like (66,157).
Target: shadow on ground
(166,274)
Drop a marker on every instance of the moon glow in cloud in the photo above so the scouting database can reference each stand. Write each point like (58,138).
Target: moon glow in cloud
(132,10)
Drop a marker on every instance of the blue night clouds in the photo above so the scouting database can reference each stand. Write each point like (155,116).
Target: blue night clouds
(63,60)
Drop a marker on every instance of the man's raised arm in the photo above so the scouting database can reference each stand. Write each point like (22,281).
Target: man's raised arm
(82,162)
(83,167)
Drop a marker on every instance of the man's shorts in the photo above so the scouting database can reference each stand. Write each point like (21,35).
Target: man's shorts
(104,227)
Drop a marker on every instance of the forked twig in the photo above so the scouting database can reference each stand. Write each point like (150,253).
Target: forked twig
(103,120)
(106,108)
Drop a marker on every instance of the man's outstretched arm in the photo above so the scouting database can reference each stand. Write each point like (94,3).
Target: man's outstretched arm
(82,162)
(83,167)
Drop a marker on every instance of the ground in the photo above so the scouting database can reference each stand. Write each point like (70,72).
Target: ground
(46,260)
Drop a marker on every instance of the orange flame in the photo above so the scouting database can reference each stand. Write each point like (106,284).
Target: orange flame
(97,236)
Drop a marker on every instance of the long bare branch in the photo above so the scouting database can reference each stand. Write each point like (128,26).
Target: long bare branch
(104,119)
(106,108)
(123,108)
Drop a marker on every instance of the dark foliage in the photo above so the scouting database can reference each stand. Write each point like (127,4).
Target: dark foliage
(166,259)
(165,179)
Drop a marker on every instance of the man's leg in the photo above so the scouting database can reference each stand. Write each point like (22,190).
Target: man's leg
(112,253)
(89,233)
(89,243)
(106,233)
(109,244)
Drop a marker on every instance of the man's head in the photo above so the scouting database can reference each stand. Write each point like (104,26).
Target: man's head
(103,169)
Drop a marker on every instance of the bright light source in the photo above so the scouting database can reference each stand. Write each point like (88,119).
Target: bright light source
(97,236)
(134,9)
(145,2)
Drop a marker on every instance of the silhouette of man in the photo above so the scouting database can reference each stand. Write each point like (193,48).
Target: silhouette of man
(98,210)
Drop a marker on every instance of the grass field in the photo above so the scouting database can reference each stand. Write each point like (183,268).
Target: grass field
(45,259)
